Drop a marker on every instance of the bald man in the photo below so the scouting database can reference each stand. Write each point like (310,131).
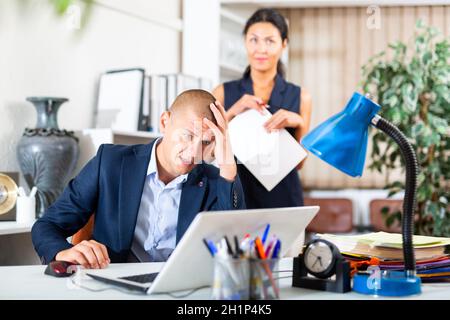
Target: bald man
(145,196)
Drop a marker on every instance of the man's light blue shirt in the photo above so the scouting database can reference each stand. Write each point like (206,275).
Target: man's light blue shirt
(156,225)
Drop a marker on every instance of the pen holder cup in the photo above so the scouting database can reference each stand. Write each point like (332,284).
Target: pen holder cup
(26,209)
(231,279)
(264,284)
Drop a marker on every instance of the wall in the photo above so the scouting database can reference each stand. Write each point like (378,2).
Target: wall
(200,40)
(41,55)
(328,46)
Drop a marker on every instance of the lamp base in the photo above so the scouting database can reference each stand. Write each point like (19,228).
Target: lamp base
(387,283)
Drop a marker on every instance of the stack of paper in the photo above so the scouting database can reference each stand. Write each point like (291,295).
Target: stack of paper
(432,253)
(388,246)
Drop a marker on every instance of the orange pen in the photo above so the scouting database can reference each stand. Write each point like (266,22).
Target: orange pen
(260,248)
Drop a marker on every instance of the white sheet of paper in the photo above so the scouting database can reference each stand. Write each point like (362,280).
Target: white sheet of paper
(268,156)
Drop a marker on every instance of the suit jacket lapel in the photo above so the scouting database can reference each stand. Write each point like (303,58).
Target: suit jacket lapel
(191,199)
(132,179)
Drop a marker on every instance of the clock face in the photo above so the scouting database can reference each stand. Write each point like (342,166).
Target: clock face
(3,194)
(319,258)
(8,194)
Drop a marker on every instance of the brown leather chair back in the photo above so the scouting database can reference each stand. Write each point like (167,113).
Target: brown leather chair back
(377,220)
(335,215)
(84,233)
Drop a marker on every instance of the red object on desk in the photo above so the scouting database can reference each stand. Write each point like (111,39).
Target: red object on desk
(356,266)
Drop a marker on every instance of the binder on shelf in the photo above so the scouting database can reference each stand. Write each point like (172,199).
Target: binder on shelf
(120,104)
(144,116)
(165,88)
(158,100)
(130,101)
(178,82)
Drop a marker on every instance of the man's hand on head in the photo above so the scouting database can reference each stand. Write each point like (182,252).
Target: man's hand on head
(90,254)
(222,146)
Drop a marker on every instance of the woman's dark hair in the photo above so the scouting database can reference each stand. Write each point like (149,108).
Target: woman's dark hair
(278,21)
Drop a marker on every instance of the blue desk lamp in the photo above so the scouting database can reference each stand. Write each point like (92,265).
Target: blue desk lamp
(341,141)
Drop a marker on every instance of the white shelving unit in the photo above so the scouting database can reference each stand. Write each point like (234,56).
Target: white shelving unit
(16,247)
(330,3)
(230,71)
(230,15)
(233,56)
(91,139)
(125,137)
(232,59)
(12,227)
(222,27)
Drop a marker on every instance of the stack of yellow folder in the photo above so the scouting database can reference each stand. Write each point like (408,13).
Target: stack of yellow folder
(432,253)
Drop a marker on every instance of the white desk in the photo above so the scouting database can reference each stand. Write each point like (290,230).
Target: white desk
(30,282)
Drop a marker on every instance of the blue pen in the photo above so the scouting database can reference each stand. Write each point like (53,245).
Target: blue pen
(211,247)
(276,250)
(266,232)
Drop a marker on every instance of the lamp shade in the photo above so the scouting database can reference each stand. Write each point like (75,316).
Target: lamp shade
(341,141)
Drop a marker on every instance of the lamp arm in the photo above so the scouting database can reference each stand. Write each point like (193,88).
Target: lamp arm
(409,200)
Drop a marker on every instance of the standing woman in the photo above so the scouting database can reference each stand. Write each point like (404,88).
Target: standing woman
(263,86)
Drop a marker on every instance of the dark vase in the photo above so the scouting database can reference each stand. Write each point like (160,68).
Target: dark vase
(47,155)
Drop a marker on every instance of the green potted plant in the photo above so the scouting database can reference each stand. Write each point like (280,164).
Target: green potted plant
(62,7)
(412,88)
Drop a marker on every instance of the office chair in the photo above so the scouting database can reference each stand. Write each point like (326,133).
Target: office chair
(335,215)
(378,221)
(84,233)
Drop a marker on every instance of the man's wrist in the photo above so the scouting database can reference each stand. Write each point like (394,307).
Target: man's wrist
(228,172)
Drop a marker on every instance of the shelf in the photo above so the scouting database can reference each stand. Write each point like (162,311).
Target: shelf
(329,3)
(230,69)
(228,14)
(12,227)
(91,139)
(108,134)
(137,134)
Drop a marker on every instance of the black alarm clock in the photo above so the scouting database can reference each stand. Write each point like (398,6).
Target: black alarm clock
(319,262)
(320,257)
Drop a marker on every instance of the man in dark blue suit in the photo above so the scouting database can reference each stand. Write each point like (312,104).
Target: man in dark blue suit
(145,196)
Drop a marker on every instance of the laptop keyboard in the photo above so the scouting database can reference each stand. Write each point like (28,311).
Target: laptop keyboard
(141,278)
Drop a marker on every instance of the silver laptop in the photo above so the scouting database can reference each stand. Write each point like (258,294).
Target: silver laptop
(190,265)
